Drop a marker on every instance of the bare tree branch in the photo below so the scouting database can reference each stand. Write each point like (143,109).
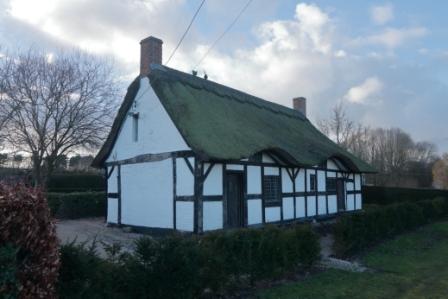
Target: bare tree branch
(48,107)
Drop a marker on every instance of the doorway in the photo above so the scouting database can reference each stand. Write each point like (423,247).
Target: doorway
(235,198)
(340,192)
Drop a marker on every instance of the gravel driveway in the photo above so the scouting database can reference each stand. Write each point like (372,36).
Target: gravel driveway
(94,229)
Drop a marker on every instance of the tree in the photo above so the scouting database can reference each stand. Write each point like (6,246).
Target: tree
(55,106)
(440,172)
(338,127)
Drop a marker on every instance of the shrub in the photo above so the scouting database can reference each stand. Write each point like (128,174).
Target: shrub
(9,283)
(186,266)
(76,182)
(25,223)
(77,205)
(388,195)
(356,232)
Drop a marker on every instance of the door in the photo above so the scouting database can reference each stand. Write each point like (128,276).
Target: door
(340,192)
(235,199)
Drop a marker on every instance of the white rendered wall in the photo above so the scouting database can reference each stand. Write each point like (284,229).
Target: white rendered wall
(212,214)
(112,210)
(266,159)
(271,171)
(300,181)
(235,167)
(322,205)
(332,165)
(288,208)
(358,201)
(286,181)
(147,194)
(254,211)
(321,180)
(300,207)
(184,177)
(112,203)
(272,214)
(213,182)
(311,205)
(156,132)
(350,202)
(185,216)
(358,181)
(253,179)
(332,204)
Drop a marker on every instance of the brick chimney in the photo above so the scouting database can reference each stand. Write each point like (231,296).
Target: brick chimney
(299,104)
(150,52)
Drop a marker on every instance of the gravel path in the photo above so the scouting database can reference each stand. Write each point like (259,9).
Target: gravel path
(89,230)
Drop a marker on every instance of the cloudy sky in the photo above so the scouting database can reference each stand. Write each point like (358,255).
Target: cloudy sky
(387,61)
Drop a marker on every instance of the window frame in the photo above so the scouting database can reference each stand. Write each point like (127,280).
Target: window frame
(334,179)
(313,185)
(275,185)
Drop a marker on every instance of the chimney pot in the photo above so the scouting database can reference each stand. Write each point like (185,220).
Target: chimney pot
(150,52)
(299,104)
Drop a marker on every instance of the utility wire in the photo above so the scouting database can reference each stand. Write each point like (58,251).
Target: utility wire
(222,34)
(185,33)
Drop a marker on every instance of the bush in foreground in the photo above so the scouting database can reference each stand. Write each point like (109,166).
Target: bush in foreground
(187,266)
(25,224)
(356,232)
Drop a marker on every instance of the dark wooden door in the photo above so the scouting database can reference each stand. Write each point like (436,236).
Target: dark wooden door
(235,199)
(340,191)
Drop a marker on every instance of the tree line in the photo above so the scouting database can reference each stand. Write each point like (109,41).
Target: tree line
(399,160)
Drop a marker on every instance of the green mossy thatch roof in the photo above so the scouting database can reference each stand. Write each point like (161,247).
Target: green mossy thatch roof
(222,123)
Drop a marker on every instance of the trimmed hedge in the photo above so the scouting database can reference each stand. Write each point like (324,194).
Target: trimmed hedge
(26,225)
(187,266)
(9,264)
(389,195)
(355,232)
(77,205)
(76,182)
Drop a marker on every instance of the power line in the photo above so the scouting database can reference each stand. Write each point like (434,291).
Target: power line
(224,33)
(185,33)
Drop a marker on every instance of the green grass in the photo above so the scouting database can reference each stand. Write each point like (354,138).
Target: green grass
(414,265)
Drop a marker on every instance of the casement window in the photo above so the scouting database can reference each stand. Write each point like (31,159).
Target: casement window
(331,184)
(135,127)
(272,189)
(313,182)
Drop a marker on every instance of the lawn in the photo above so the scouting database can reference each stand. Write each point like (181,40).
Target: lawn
(414,265)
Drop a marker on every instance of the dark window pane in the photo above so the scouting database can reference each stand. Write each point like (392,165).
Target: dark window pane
(313,182)
(331,184)
(271,189)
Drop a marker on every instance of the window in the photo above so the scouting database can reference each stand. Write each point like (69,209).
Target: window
(135,127)
(331,184)
(271,189)
(313,182)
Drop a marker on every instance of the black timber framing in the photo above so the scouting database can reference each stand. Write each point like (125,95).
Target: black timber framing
(119,195)
(174,191)
(281,193)
(326,187)
(245,212)
(316,191)
(306,192)
(263,203)
(151,158)
(224,196)
(108,174)
(198,203)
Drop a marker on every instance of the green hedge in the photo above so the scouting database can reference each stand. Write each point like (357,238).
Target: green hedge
(77,204)
(388,195)
(187,266)
(355,232)
(76,182)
